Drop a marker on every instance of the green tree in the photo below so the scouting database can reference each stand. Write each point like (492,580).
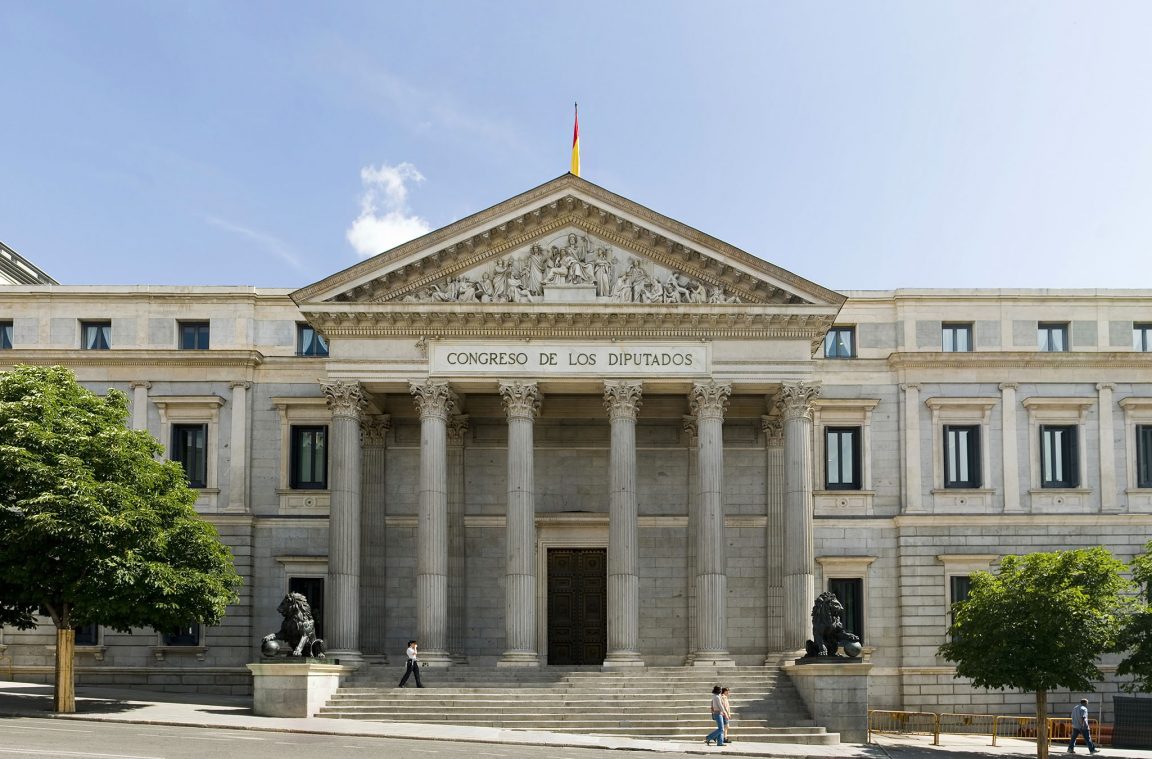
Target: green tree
(1137,636)
(93,527)
(1040,624)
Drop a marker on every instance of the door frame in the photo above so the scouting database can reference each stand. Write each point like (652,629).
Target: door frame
(569,531)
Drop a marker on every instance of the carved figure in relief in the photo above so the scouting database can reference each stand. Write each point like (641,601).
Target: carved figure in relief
(604,271)
(535,267)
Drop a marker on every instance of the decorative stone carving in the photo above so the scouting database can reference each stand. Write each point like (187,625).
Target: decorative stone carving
(622,399)
(571,258)
(434,399)
(773,429)
(457,429)
(795,399)
(690,427)
(344,398)
(709,399)
(521,399)
(297,634)
(828,633)
(374,430)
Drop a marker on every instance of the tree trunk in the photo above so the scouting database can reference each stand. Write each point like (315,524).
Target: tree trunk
(64,699)
(1041,724)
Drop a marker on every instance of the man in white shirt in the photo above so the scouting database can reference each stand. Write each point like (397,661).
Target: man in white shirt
(1080,727)
(413,665)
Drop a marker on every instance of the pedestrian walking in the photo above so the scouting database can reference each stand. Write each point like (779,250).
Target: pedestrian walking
(1080,727)
(412,667)
(724,694)
(717,715)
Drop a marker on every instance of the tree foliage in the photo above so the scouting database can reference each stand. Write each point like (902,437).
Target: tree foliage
(1041,622)
(93,527)
(1136,639)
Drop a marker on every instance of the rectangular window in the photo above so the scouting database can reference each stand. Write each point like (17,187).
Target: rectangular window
(193,336)
(1142,337)
(87,635)
(1059,462)
(96,336)
(842,458)
(961,456)
(1144,455)
(185,635)
(958,589)
(1052,338)
(5,336)
(840,342)
(309,342)
(309,458)
(311,588)
(956,338)
(850,591)
(190,450)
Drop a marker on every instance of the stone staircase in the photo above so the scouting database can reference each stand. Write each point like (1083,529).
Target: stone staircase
(652,702)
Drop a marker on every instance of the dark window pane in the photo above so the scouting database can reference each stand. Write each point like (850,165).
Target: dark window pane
(309,458)
(850,591)
(96,336)
(310,342)
(960,585)
(1059,461)
(87,635)
(1144,455)
(957,338)
(961,456)
(5,336)
(186,635)
(311,588)
(189,449)
(842,458)
(194,336)
(840,342)
(1142,337)
(1052,338)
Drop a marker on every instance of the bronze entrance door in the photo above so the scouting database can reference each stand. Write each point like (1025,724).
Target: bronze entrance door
(577,605)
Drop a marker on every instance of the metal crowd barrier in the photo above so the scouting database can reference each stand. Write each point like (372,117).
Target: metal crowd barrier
(948,723)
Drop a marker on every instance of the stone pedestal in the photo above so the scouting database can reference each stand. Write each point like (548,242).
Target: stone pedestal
(286,689)
(836,694)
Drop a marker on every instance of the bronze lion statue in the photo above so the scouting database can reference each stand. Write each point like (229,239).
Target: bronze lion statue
(297,635)
(828,633)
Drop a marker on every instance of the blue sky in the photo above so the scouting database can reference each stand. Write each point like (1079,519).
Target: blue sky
(861,145)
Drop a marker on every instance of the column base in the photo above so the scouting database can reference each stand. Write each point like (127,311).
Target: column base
(435,659)
(345,658)
(617,659)
(519,659)
(713,659)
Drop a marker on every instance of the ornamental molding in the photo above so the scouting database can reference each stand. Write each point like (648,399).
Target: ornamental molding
(1021,360)
(795,400)
(622,399)
(344,398)
(246,359)
(521,399)
(709,400)
(434,400)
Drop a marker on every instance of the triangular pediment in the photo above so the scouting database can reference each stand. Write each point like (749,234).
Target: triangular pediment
(567,241)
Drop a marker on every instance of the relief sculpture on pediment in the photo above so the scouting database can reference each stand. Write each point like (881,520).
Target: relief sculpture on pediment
(571,260)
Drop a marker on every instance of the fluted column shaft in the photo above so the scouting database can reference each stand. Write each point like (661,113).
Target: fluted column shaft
(692,489)
(799,545)
(342,602)
(435,401)
(522,404)
(622,399)
(709,402)
(373,537)
(773,428)
(457,553)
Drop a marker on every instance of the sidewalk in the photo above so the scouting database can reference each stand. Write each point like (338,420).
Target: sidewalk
(108,705)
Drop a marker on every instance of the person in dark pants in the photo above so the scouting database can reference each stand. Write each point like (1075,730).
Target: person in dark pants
(413,665)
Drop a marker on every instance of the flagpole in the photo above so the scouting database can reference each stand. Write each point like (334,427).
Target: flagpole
(576,140)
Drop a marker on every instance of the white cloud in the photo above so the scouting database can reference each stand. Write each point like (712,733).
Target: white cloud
(385,220)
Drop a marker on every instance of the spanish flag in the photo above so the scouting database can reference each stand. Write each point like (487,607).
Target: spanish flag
(576,142)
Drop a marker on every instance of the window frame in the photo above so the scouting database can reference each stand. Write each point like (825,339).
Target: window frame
(955,327)
(959,565)
(296,432)
(829,340)
(853,607)
(306,411)
(179,452)
(7,327)
(1137,415)
(180,639)
(202,327)
(1044,333)
(100,324)
(1057,411)
(972,453)
(850,568)
(318,339)
(961,412)
(843,412)
(855,434)
(1068,444)
(1142,337)
(189,410)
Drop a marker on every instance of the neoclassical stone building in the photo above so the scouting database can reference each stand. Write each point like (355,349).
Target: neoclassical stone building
(568,430)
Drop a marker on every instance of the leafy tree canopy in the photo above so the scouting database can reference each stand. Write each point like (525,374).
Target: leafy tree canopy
(1041,622)
(1137,636)
(92,525)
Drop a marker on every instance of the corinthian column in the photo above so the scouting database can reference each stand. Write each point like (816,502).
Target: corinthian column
(373,541)
(435,401)
(457,555)
(522,404)
(342,612)
(799,550)
(622,399)
(709,401)
(773,428)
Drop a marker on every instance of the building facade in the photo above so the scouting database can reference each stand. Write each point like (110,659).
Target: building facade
(568,430)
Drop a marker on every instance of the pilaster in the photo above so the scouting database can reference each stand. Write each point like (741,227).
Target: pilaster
(1010,455)
(238,458)
(140,390)
(373,534)
(457,551)
(1109,503)
(773,429)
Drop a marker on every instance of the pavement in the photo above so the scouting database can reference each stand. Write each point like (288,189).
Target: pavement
(235,712)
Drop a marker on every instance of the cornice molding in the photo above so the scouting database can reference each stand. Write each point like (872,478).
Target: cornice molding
(133,357)
(1020,360)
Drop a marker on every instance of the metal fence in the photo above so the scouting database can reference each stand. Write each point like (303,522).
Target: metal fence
(947,723)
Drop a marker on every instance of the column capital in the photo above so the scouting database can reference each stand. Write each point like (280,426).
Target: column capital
(434,400)
(709,400)
(457,429)
(1007,386)
(521,399)
(906,386)
(134,384)
(622,399)
(240,384)
(773,429)
(1101,386)
(374,430)
(688,424)
(344,398)
(795,399)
